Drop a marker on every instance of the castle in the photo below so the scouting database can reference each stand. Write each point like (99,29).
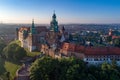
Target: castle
(53,41)
(33,37)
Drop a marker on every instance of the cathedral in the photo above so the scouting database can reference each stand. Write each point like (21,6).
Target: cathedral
(34,37)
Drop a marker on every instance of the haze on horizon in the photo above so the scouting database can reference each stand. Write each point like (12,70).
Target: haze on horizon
(67,11)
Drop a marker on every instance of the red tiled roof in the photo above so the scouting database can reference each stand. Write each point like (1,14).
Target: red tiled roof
(79,48)
(114,50)
(91,50)
(96,51)
(115,37)
(102,51)
(68,47)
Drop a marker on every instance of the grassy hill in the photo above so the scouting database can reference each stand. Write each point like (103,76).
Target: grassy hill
(12,66)
(30,54)
(7,66)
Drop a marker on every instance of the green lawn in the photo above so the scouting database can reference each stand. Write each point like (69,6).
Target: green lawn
(6,66)
(12,68)
(16,41)
(32,54)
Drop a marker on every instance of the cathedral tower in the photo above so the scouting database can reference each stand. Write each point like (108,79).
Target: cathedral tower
(32,37)
(54,24)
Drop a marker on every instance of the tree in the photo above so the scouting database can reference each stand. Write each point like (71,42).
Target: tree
(47,68)
(8,75)
(114,65)
(105,66)
(2,46)
(117,42)
(93,72)
(110,72)
(14,52)
(109,38)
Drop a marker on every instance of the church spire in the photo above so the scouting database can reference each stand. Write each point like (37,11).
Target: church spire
(54,16)
(33,23)
(54,23)
(33,29)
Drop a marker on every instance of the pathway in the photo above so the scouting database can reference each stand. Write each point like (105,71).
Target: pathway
(23,73)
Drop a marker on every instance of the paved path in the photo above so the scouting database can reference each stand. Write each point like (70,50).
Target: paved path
(22,78)
(23,73)
(1,78)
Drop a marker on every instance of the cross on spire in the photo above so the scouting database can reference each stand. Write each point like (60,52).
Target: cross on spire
(33,20)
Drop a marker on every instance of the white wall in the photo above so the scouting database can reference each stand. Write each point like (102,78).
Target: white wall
(32,48)
(92,60)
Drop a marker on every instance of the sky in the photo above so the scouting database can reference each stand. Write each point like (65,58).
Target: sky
(67,11)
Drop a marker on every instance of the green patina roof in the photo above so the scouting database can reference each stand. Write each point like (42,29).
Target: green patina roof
(33,29)
(54,24)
